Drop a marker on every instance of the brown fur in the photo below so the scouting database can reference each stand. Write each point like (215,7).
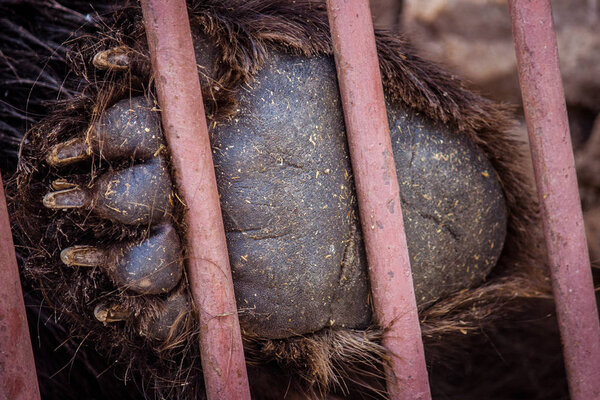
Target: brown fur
(342,361)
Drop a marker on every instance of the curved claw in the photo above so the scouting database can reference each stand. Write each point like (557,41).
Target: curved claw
(106,313)
(116,58)
(62,184)
(83,256)
(69,152)
(67,198)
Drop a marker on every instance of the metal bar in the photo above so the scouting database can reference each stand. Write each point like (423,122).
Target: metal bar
(546,116)
(184,122)
(18,379)
(378,196)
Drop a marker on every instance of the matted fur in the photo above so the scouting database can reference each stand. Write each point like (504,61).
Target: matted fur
(341,361)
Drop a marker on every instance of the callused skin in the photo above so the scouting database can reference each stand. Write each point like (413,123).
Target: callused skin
(288,201)
(287,196)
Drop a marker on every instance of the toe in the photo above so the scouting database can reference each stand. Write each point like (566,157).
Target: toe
(128,129)
(141,194)
(152,266)
(138,195)
(167,323)
(170,321)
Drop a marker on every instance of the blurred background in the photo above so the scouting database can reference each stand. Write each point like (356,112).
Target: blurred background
(473,39)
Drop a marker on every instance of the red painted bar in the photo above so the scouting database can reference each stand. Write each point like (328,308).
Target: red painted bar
(546,116)
(378,196)
(18,379)
(184,122)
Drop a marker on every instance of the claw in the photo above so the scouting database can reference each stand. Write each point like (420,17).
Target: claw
(153,266)
(83,256)
(111,313)
(116,58)
(69,152)
(62,184)
(68,198)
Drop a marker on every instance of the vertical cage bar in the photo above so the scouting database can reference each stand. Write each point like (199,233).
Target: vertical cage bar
(547,125)
(184,122)
(18,379)
(378,196)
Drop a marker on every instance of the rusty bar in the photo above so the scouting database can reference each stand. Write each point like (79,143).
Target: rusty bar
(546,116)
(18,379)
(378,196)
(184,122)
